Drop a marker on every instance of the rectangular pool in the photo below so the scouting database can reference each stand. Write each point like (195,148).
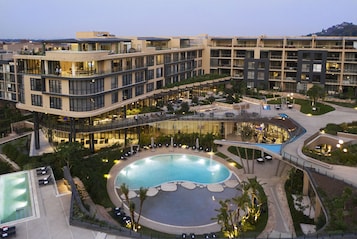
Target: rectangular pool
(15,197)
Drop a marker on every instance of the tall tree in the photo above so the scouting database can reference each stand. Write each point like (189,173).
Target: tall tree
(316,92)
(142,197)
(69,152)
(125,190)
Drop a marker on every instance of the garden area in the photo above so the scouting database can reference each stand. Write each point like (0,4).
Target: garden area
(339,198)
(340,156)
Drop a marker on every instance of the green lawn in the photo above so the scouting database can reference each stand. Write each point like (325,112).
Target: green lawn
(344,104)
(306,107)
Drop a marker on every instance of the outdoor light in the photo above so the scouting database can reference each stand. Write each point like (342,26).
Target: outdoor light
(340,141)
(345,150)
(338,145)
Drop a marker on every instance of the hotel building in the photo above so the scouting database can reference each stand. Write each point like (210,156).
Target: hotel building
(80,84)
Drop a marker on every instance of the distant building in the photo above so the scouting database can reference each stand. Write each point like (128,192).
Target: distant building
(289,64)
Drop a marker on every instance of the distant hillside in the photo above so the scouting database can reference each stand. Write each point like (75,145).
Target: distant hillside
(343,29)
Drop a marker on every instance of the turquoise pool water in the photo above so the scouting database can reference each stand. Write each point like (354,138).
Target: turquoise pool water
(15,201)
(159,169)
(276,148)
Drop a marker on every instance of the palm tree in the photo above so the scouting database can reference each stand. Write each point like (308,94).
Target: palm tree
(227,218)
(125,190)
(142,196)
(251,188)
(132,213)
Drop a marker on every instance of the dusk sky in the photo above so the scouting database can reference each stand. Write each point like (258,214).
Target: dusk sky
(43,19)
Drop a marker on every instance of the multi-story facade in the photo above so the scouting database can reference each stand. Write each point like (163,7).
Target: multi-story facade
(289,64)
(95,77)
(92,77)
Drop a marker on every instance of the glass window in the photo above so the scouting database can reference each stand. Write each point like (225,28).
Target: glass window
(251,74)
(150,87)
(159,59)
(139,62)
(139,76)
(167,58)
(117,65)
(128,64)
(150,60)
(86,103)
(55,86)
(159,72)
(176,56)
(305,67)
(36,84)
(86,87)
(306,56)
(115,97)
(159,84)
(36,100)
(127,94)
(139,90)
(317,67)
(55,102)
(251,65)
(114,83)
(150,75)
(33,66)
(127,79)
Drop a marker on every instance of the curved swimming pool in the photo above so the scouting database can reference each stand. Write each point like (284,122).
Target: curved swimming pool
(156,170)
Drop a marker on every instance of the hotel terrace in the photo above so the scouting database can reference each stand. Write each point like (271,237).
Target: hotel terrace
(80,84)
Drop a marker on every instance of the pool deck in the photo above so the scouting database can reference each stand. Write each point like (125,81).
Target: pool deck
(178,208)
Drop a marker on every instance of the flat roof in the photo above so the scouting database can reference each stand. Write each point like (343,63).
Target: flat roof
(86,40)
(154,39)
(222,38)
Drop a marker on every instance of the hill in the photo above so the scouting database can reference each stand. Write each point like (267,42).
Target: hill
(343,29)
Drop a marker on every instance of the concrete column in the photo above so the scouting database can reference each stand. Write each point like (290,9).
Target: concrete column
(73,69)
(277,168)
(306,182)
(91,142)
(36,129)
(126,129)
(223,130)
(317,209)
(72,133)
(91,137)
(138,133)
